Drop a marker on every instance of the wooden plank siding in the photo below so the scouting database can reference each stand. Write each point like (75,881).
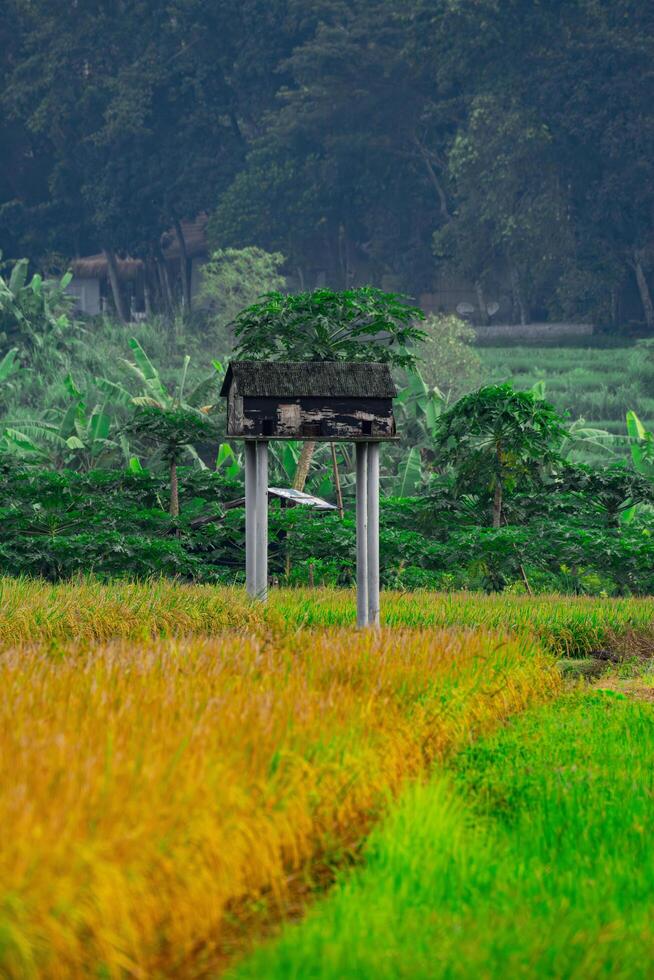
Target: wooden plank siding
(311,418)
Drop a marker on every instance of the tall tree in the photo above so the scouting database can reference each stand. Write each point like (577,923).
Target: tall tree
(345,134)
(135,103)
(511,213)
(354,140)
(497,438)
(583,79)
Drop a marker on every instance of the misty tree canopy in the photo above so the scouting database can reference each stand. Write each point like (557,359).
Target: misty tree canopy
(364,140)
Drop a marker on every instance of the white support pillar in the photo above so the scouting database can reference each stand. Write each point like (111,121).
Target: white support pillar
(251,518)
(261,582)
(362,533)
(373,533)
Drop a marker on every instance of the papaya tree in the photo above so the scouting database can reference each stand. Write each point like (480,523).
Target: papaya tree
(173,431)
(495,438)
(363,324)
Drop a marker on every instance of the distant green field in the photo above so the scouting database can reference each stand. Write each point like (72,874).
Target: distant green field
(597,383)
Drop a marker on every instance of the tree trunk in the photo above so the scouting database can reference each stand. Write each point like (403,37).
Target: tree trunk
(174,489)
(114,279)
(481,304)
(304,463)
(164,279)
(162,305)
(184,264)
(337,484)
(343,255)
(151,291)
(615,300)
(431,173)
(528,587)
(147,296)
(497,504)
(643,289)
(517,294)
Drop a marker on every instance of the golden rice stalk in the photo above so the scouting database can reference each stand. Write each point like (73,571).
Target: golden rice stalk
(89,611)
(152,792)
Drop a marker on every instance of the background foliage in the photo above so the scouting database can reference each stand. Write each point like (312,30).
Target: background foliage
(475,143)
(474,148)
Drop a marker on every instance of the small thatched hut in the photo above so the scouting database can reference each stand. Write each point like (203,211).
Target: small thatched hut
(138,285)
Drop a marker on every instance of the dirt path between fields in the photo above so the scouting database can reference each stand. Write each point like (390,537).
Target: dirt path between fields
(638,688)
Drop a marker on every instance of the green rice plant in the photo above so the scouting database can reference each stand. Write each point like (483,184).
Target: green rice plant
(532,859)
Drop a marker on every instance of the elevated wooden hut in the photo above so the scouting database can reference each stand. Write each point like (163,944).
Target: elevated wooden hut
(317,400)
(312,401)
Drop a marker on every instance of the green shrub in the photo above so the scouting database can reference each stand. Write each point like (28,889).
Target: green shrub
(112,524)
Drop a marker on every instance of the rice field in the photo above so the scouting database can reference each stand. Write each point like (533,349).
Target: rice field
(599,384)
(181,769)
(87,611)
(530,857)
(162,800)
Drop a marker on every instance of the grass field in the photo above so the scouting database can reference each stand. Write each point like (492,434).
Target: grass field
(599,384)
(532,859)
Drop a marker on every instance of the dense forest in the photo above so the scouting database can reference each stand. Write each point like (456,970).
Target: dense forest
(503,142)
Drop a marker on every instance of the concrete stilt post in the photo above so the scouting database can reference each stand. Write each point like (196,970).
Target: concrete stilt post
(367,516)
(373,533)
(251,518)
(362,533)
(261,582)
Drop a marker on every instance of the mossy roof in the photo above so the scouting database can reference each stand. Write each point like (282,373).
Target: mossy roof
(310,379)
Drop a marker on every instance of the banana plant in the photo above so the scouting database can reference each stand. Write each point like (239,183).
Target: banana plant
(9,365)
(80,437)
(31,311)
(419,407)
(284,458)
(580,435)
(172,422)
(228,462)
(641,444)
(410,474)
(154,392)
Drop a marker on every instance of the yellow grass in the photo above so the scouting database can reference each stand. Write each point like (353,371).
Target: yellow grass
(153,792)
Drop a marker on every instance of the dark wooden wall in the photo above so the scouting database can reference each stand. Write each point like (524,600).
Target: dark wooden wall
(312,418)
